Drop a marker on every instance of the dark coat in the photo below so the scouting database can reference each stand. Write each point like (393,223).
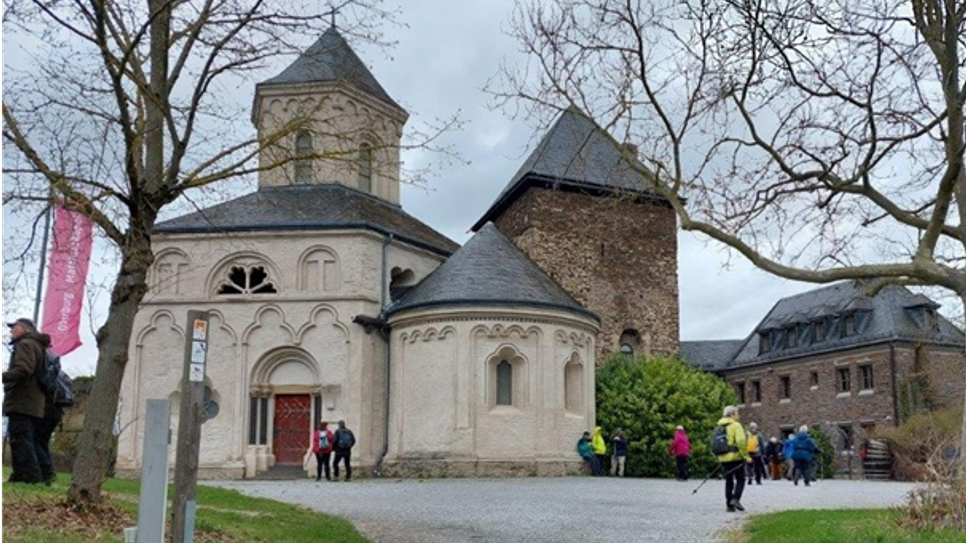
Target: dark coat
(23,394)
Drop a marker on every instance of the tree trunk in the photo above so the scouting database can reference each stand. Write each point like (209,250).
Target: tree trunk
(95,448)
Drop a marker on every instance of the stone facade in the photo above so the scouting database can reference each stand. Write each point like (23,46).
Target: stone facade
(816,394)
(299,340)
(460,428)
(623,265)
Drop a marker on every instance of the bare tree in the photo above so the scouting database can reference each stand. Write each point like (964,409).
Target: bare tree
(121,113)
(820,139)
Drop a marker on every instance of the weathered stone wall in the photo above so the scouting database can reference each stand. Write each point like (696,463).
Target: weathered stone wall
(946,370)
(616,256)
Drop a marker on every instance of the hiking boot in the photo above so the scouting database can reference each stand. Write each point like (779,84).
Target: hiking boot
(730,509)
(737,505)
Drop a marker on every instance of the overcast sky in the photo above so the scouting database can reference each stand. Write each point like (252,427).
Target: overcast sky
(445,54)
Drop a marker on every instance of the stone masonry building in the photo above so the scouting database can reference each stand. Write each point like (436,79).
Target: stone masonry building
(843,359)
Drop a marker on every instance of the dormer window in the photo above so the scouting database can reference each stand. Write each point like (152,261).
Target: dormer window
(818,329)
(765,342)
(932,319)
(792,337)
(849,325)
(303,166)
(365,168)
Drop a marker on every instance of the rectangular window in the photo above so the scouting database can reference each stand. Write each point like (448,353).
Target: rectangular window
(813,379)
(867,383)
(740,390)
(786,387)
(253,422)
(317,409)
(819,329)
(845,379)
(263,421)
(756,391)
(849,325)
(792,337)
(765,342)
(845,430)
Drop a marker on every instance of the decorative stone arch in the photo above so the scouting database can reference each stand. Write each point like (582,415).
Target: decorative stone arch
(268,363)
(319,270)
(257,323)
(246,260)
(223,324)
(321,308)
(630,343)
(166,271)
(574,389)
(496,373)
(153,325)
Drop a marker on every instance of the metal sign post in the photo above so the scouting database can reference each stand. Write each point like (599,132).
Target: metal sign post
(153,505)
(189,427)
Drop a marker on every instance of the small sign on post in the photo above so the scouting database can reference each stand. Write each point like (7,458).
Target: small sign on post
(189,427)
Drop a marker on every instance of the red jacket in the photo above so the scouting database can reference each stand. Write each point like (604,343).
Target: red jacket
(681,445)
(315,442)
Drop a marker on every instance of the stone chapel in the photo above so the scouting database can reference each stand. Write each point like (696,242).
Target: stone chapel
(328,301)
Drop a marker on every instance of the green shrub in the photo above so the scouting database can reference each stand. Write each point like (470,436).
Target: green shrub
(648,398)
(826,457)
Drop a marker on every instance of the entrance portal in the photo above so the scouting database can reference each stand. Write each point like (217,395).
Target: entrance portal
(293,427)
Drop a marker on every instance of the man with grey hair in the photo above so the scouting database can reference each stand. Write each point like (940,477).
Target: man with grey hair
(731,447)
(24,401)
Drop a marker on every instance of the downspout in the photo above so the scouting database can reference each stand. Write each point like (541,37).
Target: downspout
(386,335)
(895,393)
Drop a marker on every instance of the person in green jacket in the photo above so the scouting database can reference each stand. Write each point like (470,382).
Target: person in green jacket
(599,446)
(587,453)
(733,463)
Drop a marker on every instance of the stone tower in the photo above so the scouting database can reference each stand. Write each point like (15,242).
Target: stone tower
(592,223)
(328,106)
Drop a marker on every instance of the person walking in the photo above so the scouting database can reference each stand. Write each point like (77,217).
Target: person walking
(599,447)
(730,432)
(756,442)
(775,457)
(681,449)
(789,449)
(586,452)
(53,414)
(323,442)
(344,441)
(24,402)
(804,450)
(617,462)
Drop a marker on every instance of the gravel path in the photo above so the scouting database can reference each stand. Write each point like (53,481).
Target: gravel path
(557,509)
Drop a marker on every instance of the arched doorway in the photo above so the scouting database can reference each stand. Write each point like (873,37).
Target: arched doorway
(285,401)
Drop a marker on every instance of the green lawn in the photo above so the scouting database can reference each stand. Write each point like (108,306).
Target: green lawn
(34,514)
(837,526)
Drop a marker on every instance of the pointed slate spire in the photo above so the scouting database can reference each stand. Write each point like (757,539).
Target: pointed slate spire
(575,152)
(331,60)
(489,270)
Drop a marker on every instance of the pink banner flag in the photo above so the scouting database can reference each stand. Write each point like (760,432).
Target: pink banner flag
(70,256)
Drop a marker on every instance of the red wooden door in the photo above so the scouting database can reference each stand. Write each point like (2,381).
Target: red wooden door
(293,425)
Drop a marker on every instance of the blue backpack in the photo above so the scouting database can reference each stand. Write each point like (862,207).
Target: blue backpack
(56,384)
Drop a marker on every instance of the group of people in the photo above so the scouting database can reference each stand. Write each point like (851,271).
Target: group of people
(745,456)
(31,416)
(325,442)
(593,450)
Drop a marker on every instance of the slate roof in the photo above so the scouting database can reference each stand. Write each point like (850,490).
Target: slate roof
(489,270)
(710,355)
(575,154)
(331,60)
(888,316)
(310,207)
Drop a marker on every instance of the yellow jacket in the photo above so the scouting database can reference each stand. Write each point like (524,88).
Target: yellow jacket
(597,442)
(736,437)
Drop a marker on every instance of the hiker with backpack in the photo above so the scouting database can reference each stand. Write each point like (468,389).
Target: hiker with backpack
(619,458)
(586,453)
(803,452)
(323,441)
(24,400)
(729,444)
(344,441)
(775,457)
(599,447)
(756,444)
(680,447)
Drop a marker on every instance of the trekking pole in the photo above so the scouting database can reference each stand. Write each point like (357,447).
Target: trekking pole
(715,470)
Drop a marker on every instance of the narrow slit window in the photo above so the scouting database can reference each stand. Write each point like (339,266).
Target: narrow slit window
(504,383)
(303,166)
(365,168)
(786,387)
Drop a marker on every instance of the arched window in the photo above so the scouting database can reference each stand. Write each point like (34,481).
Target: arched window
(303,166)
(365,167)
(574,385)
(630,343)
(504,383)
(247,280)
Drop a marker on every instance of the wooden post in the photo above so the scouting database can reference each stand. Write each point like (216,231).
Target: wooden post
(189,427)
(152,509)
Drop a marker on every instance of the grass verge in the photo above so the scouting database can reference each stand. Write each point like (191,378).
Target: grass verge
(837,526)
(38,514)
